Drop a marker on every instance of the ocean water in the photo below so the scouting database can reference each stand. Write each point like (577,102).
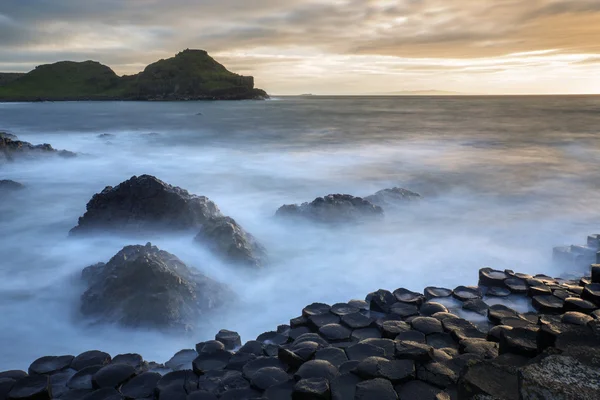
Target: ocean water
(503,180)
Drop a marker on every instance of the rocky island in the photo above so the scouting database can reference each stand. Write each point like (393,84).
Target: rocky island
(190,75)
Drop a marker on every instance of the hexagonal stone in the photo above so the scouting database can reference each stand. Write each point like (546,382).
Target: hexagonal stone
(380,389)
(90,358)
(216,360)
(58,382)
(391,329)
(516,285)
(357,320)
(491,277)
(461,329)
(485,380)
(432,292)
(241,394)
(238,360)
(274,337)
(298,321)
(266,377)
(75,394)
(427,325)
(404,309)
(496,332)
(103,394)
(280,391)
(430,308)
(418,390)
(517,322)
(464,293)
(360,304)
(316,369)
(201,395)
(440,340)
(261,362)
(294,333)
(414,351)
(396,371)
(50,364)
(365,333)
(133,359)
(13,374)
(408,296)
(230,339)
(591,292)
(438,374)
(83,378)
(477,305)
(411,336)
(480,347)
(388,345)
(219,382)
(547,304)
(576,318)
(332,354)
(312,389)
(112,375)
(184,379)
(341,309)
(141,386)
(495,291)
(311,337)
(305,350)
(440,316)
(519,341)
(580,305)
(315,309)
(317,321)
(182,360)
(381,301)
(344,386)
(31,388)
(497,312)
(542,290)
(360,351)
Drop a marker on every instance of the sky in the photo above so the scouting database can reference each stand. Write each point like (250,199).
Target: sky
(326,46)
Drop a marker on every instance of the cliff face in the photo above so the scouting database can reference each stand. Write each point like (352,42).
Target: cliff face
(190,75)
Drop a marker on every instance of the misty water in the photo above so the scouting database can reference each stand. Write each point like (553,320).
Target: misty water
(503,179)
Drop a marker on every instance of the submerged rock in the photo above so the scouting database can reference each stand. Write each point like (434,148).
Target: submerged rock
(12,149)
(145,203)
(142,286)
(393,197)
(7,186)
(227,238)
(333,208)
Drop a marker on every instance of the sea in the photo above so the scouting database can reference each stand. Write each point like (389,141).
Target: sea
(502,180)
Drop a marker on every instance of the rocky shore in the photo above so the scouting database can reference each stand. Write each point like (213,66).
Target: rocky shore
(461,343)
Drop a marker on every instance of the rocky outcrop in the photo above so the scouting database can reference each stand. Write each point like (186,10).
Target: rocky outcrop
(334,208)
(12,149)
(229,240)
(393,197)
(145,204)
(142,286)
(7,186)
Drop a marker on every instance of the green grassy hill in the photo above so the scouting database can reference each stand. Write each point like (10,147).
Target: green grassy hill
(190,75)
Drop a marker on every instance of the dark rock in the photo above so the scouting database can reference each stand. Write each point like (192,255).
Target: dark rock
(357,320)
(135,360)
(576,318)
(547,304)
(238,360)
(50,364)
(219,382)
(418,390)
(253,347)
(103,394)
(490,277)
(461,329)
(516,285)
(497,292)
(419,352)
(335,333)
(464,293)
(316,369)
(281,391)
(380,389)
(559,377)
(210,346)
(404,310)
(141,386)
(487,379)
(182,360)
(595,272)
(227,239)
(430,308)
(112,376)
(580,305)
(315,309)
(6,385)
(289,358)
(58,381)
(83,378)
(13,149)
(495,334)
(305,350)
(440,340)
(391,329)
(360,351)
(142,286)
(411,336)
(31,388)
(90,358)
(145,204)
(261,362)
(341,309)
(273,337)
(519,341)
(317,321)
(310,337)
(381,301)
(349,366)
(230,339)
(517,322)
(8,186)
(344,386)
(440,316)
(13,374)
(388,345)
(334,355)
(334,208)
(201,395)
(312,389)
(438,374)
(216,360)
(360,304)
(480,347)
(497,312)
(396,371)
(283,329)
(266,377)
(295,333)
(298,321)
(75,394)
(432,292)
(241,394)
(407,296)
(591,293)
(427,325)
(185,380)
(477,305)
(393,197)
(365,333)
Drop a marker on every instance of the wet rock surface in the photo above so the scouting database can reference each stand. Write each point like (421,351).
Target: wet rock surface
(333,208)
(142,286)
(394,197)
(13,149)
